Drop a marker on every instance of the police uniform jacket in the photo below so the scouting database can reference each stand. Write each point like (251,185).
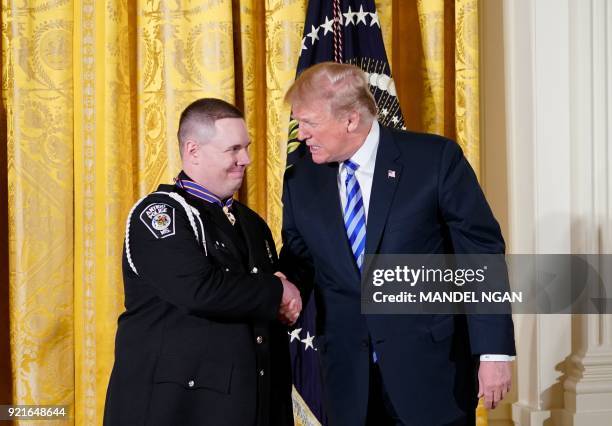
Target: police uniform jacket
(199,343)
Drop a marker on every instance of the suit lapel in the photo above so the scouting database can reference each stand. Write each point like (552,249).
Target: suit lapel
(387,173)
(327,199)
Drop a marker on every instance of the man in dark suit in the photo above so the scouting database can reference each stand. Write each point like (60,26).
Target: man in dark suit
(369,189)
(199,342)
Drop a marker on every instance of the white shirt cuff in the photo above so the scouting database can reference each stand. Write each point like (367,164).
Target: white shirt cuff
(496,357)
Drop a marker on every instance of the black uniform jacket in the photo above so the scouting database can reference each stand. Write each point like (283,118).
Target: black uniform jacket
(425,199)
(199,343)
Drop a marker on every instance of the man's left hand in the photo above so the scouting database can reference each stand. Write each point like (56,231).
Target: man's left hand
(494,380)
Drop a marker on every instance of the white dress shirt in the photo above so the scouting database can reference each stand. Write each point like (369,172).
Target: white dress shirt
(365,158)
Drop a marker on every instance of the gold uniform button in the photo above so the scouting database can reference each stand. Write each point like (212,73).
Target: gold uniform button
(259,340)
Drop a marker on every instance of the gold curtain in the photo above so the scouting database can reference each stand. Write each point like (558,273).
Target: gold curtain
(91,94)
(435,66)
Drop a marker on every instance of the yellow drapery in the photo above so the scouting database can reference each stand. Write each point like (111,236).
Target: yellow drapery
(91,93)
(435,65)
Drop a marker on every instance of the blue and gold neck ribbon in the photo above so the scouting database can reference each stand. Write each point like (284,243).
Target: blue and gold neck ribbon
(199,191)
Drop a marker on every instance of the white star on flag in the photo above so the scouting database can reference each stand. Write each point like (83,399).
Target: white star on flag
(308,341)
(361,15)
(295,334)
(395,119)
(313,34)
(374,19)
(328,25)
(384,112)
(349,17)
(304,44)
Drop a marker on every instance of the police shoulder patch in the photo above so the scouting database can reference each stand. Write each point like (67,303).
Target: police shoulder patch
(159,219)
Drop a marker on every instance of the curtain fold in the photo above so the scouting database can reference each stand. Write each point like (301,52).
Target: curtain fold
(5,352)
(435,64)
(91,96)
(251,97)
(467,78)
(284,26)
(104,67)
(37,95)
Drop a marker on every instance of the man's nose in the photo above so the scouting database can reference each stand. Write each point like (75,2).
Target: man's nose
(302,134)
(243,158)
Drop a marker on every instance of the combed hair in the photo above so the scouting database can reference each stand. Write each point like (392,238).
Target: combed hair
(345,86)
(200,116)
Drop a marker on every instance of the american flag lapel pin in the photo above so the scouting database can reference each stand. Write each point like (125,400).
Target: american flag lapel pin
(391,174)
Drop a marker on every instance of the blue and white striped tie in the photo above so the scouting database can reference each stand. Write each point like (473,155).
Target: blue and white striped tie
(355,220)
(354,214)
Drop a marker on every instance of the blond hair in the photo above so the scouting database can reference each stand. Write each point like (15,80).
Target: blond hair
(344,86)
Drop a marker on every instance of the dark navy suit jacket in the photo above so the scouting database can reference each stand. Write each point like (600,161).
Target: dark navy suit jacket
(433,205)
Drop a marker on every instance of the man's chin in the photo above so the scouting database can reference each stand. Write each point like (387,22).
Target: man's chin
(319,159)
(236,184)
(235,177)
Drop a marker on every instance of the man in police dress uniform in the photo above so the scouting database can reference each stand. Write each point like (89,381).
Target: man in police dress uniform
(200,342)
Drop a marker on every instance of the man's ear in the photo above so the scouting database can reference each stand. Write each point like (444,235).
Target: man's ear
(192,151)
(353,121)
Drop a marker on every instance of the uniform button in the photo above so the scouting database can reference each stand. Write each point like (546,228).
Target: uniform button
(226,269)
(261,372)
(191,383)
(259,340)
(254,270)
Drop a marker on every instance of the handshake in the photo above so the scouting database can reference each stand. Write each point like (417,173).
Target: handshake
(291,302)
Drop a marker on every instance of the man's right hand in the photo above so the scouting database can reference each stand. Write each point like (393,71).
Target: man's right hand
(291,302)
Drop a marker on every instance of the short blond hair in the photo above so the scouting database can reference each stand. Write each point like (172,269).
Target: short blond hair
(344,86)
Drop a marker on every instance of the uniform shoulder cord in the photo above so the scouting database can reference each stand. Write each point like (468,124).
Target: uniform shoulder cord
(189,210)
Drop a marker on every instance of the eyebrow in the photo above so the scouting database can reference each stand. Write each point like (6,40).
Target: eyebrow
(237,145)
(305,120)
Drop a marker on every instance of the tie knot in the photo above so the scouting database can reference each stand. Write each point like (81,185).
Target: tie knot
(351,167)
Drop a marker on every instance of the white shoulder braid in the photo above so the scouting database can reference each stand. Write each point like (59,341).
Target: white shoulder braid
(189,210)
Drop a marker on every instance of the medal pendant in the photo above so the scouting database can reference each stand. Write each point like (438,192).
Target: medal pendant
(229,215)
